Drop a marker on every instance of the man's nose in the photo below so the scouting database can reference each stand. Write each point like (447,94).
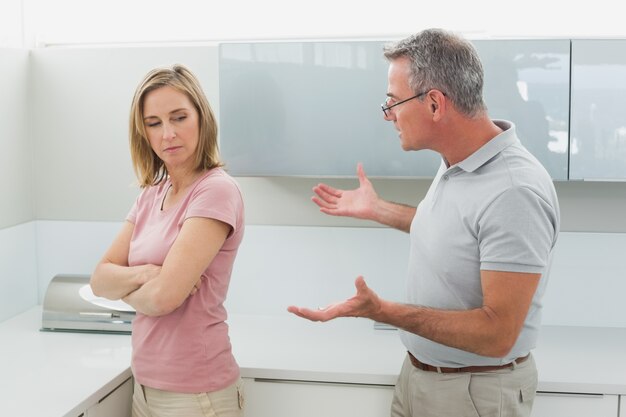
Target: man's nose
(388,115)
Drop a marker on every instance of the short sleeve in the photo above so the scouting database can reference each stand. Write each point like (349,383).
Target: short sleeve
(517,232)
(217,197)
(132,214)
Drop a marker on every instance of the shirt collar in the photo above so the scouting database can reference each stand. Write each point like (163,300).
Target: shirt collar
(490,149)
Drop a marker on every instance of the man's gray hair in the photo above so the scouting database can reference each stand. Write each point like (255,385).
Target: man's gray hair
(444,61)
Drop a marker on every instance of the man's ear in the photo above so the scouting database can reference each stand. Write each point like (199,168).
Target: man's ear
(437,104)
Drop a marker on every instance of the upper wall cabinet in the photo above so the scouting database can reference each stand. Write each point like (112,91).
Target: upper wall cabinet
(598,128)
(310,109)
(527,83)
(313,108)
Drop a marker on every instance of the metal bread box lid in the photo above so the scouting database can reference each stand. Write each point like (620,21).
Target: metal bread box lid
(70,306)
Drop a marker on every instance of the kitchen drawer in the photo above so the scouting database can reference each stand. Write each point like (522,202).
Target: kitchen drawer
(551,404)
(280,398)
(116,403)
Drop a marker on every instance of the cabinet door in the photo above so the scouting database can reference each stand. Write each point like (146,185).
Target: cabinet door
(313,108)
(527,83)
(574,405)
(117,403)
(598,130)
(273,398)
(310,109)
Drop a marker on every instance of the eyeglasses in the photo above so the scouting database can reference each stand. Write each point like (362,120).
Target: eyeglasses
(386,108)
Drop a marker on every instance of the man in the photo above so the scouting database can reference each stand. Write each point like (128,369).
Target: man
(481,240)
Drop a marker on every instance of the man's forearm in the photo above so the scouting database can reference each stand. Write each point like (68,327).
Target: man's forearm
(477,330)
(398,216)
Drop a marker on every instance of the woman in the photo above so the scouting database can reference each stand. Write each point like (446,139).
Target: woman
(173,258)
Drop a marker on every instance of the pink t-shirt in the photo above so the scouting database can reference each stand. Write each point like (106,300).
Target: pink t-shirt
(189,349)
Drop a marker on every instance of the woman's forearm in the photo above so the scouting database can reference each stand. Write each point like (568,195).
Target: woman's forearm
(116,281)
(152,299)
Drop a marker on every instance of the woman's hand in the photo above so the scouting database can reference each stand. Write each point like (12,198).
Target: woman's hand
(148,272)
(196,287)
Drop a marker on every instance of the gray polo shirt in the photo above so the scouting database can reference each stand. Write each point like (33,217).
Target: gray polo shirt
(495,210)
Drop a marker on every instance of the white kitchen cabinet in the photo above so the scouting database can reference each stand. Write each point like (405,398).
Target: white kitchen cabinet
(279,398)
(274,124)
(549,404)
(527,82)
(598,128)
(310,109)
(117,403)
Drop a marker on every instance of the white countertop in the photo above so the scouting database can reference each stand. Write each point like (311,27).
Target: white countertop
(582,359)
(47,374)
(570,359)
(62,374)
(343,350)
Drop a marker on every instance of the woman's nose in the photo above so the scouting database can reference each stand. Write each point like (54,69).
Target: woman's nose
(168,131)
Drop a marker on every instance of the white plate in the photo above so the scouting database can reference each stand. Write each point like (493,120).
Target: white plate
(87,294)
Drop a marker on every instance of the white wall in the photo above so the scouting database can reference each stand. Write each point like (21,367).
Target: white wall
(278,266)
(115,21)
(587,284)
(18,265)
(80,106)
(70,248)
(11,34)
(16,157)
(18,269)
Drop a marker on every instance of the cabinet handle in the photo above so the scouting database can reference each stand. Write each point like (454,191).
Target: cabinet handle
(570,394)
(298,381)
(597,180)
(113,390)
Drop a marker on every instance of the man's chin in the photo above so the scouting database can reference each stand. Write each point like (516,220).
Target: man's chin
(405,146)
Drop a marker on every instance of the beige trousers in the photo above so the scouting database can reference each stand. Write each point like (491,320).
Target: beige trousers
(150,402)
(502,393)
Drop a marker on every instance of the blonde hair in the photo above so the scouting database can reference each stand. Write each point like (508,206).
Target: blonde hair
(149,168)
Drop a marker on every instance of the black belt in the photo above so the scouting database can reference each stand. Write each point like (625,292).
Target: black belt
(485,368)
